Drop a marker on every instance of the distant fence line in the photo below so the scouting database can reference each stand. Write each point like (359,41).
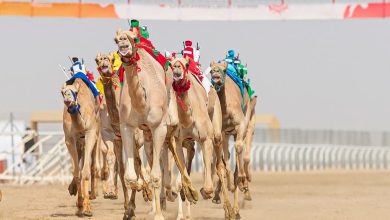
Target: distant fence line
(330,137)
(281,150)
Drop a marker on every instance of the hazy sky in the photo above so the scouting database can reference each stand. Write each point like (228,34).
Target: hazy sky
(311,74)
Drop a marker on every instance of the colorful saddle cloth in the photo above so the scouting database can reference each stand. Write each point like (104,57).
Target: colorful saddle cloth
(91,85)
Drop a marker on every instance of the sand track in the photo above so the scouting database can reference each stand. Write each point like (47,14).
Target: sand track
(293,196)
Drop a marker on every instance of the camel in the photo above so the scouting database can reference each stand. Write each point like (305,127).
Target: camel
(149,106)
(81,127)
(236,114)
(200,120)
(112,93)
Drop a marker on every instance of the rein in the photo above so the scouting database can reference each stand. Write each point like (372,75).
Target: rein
(181,87)
(74,108)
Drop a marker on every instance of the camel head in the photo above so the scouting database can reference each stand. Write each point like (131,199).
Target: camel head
(125,41)
(105,63)
(180,68)
(218,74)
(69,93)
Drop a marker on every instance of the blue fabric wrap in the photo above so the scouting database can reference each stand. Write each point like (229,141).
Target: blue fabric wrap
(231,72)
(82,76)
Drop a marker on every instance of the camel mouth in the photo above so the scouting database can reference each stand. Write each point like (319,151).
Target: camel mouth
(67,103)
(177,76)
(104,69)
(124,49)
(216,78)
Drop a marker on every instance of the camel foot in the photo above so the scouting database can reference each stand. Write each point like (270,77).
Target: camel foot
(110,195)
(247,196)
(236,213)
(79,213)
(129,214)
(190,193)
(229,213)
(73,187)
(241,183)
(163,204)
(216,199)
(249,177)
(171,196)
(206,195)
(180,217)
(182,195)
(87,213)
(92,196)
(132,185)
(158,217)
(147,193)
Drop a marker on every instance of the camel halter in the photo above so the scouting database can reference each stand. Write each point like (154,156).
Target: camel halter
(219,87)
(134,57)
(181,87)
(73,109)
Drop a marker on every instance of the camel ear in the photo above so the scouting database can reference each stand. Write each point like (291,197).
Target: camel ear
(111,56)
(187,60)
(212,63)
(224,65)
(118,31)
(97,59)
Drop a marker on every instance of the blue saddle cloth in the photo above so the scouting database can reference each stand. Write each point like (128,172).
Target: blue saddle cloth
(85,79)
(232,73)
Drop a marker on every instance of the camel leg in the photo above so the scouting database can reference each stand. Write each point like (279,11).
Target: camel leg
(159,134)
(95,168)
(248,146)
(121,168)
(130,212)
(112,190)
(180,215)
(189,190)
(239,138)
(226,157)
(90,144)
(72,149)
(207,150)
(166,158)
(221,172)
(236,208)
(127,134)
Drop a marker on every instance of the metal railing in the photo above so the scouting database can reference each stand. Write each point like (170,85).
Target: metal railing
(51,163)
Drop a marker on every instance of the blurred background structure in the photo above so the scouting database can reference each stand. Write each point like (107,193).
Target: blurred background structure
(320,68)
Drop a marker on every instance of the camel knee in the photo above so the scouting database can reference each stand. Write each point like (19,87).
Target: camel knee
(239,147)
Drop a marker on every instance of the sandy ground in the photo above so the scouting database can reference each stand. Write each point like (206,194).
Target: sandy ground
(300,196)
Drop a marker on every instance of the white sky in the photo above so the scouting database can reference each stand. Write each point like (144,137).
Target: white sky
(311,74)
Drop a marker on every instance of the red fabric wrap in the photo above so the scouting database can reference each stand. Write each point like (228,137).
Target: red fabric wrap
(148,46)
(193,68)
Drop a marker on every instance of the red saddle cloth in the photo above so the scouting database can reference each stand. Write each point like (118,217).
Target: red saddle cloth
(148,47)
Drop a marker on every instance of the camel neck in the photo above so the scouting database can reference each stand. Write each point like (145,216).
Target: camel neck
(78,120)
(136,90)
(112,108)
(222,98)
(184,109)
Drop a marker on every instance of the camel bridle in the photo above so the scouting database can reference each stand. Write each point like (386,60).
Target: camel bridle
(219,87)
